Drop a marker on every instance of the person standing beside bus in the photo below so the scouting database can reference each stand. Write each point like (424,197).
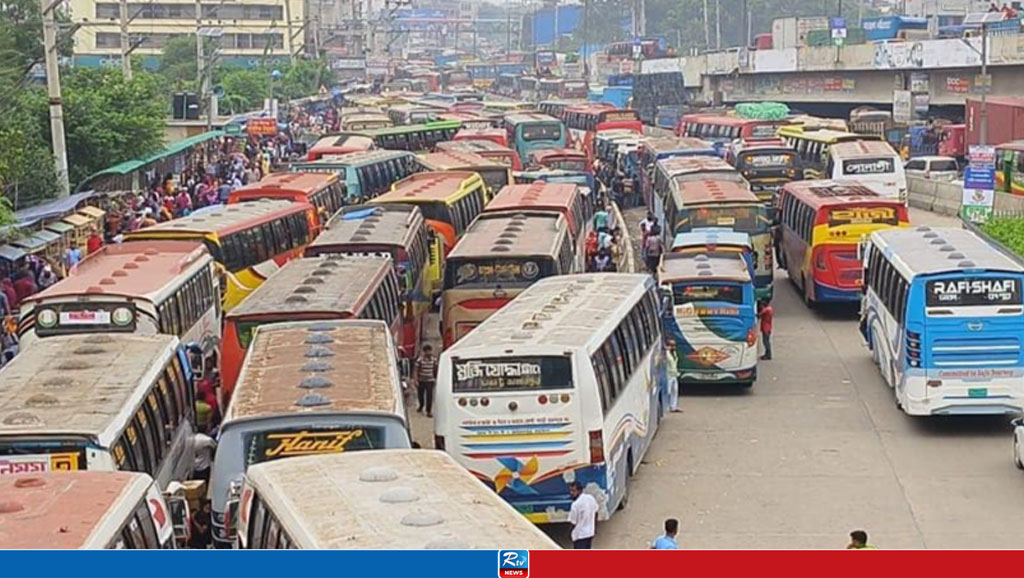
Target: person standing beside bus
(767,317)
(582,516)
(426,378)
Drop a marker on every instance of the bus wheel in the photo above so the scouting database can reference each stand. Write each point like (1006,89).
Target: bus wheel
(1016,453)
(625,484)
(807,294)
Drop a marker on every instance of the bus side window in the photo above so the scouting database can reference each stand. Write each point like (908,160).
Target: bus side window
(604,386)
(145,522)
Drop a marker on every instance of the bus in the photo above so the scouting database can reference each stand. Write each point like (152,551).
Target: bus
(611,145)
(529,131)
(555,108)
(574,89)
(716,241)
(495,174)
(339,145)
(364,175)
(767,166)
(249,241)
(328,287)
(498,257)
(399,232)
(560,159)
(148,287)
(83,511)
(682,170)
(483,74)
(449,200)
(713,320)
(322,190)
(489,150)
(585,121)
(310,387)
(871,163)
(470,120)
(566,382)
(360,121)
(414,137)
(1010,167)
(722,129)
(100,402)
(730,205)
(820,226)
(652,150)
(942,316)
(405,114)
(491,134)
(327,502)
(812,144)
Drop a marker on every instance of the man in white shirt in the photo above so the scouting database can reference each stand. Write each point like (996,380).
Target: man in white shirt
(204,447)
(582,516)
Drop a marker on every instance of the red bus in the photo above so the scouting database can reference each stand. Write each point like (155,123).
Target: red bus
(585,121)
(496,135)
(562,159)
(322,190)
(486,149)
(720,128)
(339,145)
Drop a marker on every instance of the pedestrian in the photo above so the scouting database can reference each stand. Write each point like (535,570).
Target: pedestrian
(667,541)
(582,516)
(603,262)
(46,277)
(766,315)
(201,535)
(673,375)
(601,218)
(426,377)
(859,541)
(646,224)
(94,243)
(653,247)
(204,447)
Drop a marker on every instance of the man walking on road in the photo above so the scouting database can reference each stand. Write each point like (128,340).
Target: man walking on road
(582,516)
(426,377)
(667,541)
(653,248)
(859,541)
(767,316)
(673,375)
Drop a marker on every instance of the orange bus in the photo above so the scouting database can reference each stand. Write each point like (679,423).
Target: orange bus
(561,159)
(322,190)
(495,135)
(495,174)
(486,149)
(721,129)
(312,288)
(585,121)
(339,145)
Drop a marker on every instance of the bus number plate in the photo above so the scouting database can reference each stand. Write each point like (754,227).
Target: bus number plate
(977,392)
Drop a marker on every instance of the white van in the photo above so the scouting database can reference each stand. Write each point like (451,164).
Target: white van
(872,163)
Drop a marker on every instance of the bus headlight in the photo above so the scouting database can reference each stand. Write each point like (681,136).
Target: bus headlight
(47,318)
(122,316)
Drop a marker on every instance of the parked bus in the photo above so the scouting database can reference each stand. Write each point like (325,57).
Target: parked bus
(416,252)
(942,315)
(339,145)
(486,149)
(566,382)
(870,163)
(498,257)
(407,114)
(100,402)
(449,200)
(360,121)
(713,320)
(491,134)
(364,175)
(585,121)
(324,191)
(1010,167)
(329,287)
(715,242)
(529,131)
(414,137)
(722,128)
(83,511)
(325,502)
(767,166)
(561,159)
(820,225)
(306,388)
(495,174)
(812,144)
(148,287)
(249,241)
(653,150)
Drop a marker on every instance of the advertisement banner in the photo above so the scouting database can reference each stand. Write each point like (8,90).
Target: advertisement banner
(979,184)
(957,84)
(262,126)
(945,53)
(778,60)
(902,105)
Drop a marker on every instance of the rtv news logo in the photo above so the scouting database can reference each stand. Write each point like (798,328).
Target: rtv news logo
(513,563)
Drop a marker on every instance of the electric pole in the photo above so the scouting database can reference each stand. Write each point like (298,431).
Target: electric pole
(707,29)
(60,153)
(718,24)
(126,48)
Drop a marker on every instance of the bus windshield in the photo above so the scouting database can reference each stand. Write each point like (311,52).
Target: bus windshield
(684,293)
(519,272)
(765,160)
(542,131)
(285,442)
(742,219)
(511,374)
(436,211)
(495,178)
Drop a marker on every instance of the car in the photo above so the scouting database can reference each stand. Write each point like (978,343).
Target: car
(1018,442)
(935,168)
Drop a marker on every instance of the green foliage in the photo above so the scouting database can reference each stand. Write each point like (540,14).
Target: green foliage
(1008,231)
(178,63)
(27,174)
(305,77)
(244,89)
(604,20)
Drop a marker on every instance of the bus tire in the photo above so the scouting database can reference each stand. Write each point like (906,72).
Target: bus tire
(624,501)
(1016,453)
(807,295)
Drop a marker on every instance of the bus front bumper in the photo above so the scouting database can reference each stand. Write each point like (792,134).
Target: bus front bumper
(691,376)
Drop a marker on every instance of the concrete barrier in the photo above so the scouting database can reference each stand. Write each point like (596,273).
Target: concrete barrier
(945,198)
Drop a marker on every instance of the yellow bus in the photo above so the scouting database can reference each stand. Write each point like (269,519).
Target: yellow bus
(811,145)
(248,240)
(493,172)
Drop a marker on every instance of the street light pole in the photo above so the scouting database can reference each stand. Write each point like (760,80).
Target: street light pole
(983,115)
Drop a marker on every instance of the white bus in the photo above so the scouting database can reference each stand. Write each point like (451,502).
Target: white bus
(83,510)
(871,163)
(307,388)
(565,383)
(383,500)
(99,402)
(943,316)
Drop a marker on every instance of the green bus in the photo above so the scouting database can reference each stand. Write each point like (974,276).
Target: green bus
(414,137)
(365,174)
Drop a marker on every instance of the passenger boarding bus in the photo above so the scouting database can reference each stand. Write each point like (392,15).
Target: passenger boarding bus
(249,241)
(414,137)
(339,145)
(567,382)
(820,226)
(767,166)
(324,191)
(399,232)
(311,288)
(495,174)
(719,242)
(530,131)
(870,163)
(498,257)
(145,288)
(943,316)
(449,200)
(82,511)
(366,500)
(100,402)
(487,149)
(713,320)
(366,174)
(313,387)
(812,144)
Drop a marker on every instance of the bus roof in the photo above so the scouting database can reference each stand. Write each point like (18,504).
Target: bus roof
(930,250)
(861,149)
(281,374)
(353,141)
(455,160)
(279,185)
(140,269)
(826,193)
(426,187)
(712,236)
(536,195)
(707,191)
(1014,145)
(335,501)
(332,284)
(824,135)
(223,219)
(468,133)
(80,384)
(555,153)
(65,510)
(703,267)
(473,145)
(565,311)
(523,117)
(393,224)
(407,128)
(356,159)
(670,143)
(675,166)
(519,234)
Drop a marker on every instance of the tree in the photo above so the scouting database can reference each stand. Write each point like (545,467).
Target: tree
(178,63)
(606,21)
(305,77)
(244,89)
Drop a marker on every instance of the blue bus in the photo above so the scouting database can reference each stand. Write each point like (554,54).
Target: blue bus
(530,131)
(943,316)
(711,315)
(721,241)
(365,174)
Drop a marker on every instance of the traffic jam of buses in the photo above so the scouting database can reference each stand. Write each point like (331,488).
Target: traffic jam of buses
(505,290)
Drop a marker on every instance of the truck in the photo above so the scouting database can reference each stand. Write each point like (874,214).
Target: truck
(792,32)
(1005,120)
